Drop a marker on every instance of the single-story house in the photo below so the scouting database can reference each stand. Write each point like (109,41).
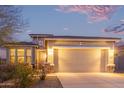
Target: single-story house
(66,53)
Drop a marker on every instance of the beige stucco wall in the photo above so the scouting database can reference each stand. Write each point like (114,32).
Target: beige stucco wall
(80,43)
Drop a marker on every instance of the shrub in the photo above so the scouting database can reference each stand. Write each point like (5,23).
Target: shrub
(3,76)
(43,71)
(6,72)
(23,75)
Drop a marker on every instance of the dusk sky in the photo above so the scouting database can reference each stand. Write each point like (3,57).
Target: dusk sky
(51,20)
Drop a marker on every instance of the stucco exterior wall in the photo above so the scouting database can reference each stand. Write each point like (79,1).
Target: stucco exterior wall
(84,43)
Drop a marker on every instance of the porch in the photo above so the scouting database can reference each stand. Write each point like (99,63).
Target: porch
(27,53)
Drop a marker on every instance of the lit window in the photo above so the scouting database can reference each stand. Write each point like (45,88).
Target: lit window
(12,59)
(12,55)
(28,52)
(20,59)
(28,56)
(20,55)
(12,52)
(20,52)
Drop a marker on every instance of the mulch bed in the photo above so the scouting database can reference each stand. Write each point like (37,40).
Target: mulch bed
(49,82)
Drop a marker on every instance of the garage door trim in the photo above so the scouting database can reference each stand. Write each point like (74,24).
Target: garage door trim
(79,47)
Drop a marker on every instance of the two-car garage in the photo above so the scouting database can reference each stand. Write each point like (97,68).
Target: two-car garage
(81,53)
(79,59)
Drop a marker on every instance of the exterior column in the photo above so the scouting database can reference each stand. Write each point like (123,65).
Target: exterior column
(25,55)
(111,64)
(16,56)
(7,55)
(33,56)
(56,65)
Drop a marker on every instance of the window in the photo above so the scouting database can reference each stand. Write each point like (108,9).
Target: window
(12,55)
(20,55)
(41,56)
(28,56)
(12,52)
(12,59)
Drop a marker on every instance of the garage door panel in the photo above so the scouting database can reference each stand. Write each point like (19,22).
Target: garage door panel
(79,60)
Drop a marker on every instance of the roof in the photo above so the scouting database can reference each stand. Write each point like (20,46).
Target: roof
(69,37)
(40,35)
(20,44)
(83,37)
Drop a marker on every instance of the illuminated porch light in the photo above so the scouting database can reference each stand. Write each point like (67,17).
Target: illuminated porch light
(50,51)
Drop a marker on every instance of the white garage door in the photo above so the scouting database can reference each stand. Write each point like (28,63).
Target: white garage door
(79,60)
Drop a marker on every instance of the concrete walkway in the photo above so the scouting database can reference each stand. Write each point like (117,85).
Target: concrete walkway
(91,80)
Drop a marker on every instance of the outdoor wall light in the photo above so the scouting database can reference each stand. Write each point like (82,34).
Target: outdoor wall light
(50,51)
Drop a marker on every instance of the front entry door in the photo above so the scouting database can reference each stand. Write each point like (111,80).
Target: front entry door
(41,56)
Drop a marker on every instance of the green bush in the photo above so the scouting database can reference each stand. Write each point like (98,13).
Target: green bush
(23,75)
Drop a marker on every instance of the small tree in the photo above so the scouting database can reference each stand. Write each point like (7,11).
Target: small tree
(11,22)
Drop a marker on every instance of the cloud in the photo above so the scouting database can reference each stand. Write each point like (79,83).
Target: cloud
(29,31)
(94,12)
(65,29)
(116,28)
(122,20)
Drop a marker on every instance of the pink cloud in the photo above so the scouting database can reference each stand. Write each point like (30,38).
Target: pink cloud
(116,28)
(94,12)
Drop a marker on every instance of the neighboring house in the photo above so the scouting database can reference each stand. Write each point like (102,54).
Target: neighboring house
(66,53)
(119,57)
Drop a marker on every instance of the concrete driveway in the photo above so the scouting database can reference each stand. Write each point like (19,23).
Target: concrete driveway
(91,80)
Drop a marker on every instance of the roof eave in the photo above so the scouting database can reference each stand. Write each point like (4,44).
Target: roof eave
(14,45)
(86,39)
